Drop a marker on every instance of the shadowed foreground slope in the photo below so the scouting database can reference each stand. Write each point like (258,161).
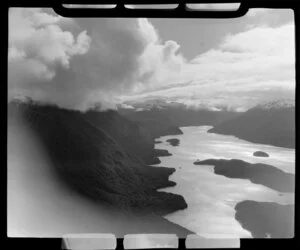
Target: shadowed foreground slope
(89,160)
(40,205)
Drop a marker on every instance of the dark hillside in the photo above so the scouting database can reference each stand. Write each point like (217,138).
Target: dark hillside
(166,120)
(93,162)
(131,136)
(267,126)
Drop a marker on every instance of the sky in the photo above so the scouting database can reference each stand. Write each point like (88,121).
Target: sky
(75,63)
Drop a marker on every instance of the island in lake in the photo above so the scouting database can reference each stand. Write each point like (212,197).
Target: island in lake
(257,173)
(260,154)
(158,153)
(266,219)
(262,219)
(174,142)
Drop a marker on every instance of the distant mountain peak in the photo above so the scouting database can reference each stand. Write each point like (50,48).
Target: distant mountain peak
(277,104)
(151,104)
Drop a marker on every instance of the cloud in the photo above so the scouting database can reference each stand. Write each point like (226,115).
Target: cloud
(34,35)
(158,62)
(37,46)
(249,67)
(76,63)
(81,62)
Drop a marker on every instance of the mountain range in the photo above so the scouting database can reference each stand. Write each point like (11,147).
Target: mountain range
(162,118)
(105,156)
(271,123)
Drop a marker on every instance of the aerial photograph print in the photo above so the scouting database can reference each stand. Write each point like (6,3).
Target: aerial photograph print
(151,125)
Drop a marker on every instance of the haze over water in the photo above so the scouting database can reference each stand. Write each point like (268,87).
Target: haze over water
(211,198)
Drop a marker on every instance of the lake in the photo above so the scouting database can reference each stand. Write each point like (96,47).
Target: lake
(211,198)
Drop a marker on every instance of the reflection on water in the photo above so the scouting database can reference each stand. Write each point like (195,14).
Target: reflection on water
(211,198)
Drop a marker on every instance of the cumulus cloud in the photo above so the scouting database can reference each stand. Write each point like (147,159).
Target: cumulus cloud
(36,36)
(86,61)
(76,63)
(247,68)
(37,46)
(160,62)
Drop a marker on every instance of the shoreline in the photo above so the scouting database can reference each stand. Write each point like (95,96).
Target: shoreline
(182,231)
(263,213)
(110,174)
(258,173)
(266,219)
(212,131)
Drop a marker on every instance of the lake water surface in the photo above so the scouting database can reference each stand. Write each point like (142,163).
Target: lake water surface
(211,198)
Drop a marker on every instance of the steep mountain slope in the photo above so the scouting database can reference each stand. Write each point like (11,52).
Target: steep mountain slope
(92,162)
(271,123)
(131,136)
(40,205)
(165,119)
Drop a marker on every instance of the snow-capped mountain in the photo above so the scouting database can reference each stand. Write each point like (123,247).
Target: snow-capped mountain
(277,104)
(270,123)
(151,104)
